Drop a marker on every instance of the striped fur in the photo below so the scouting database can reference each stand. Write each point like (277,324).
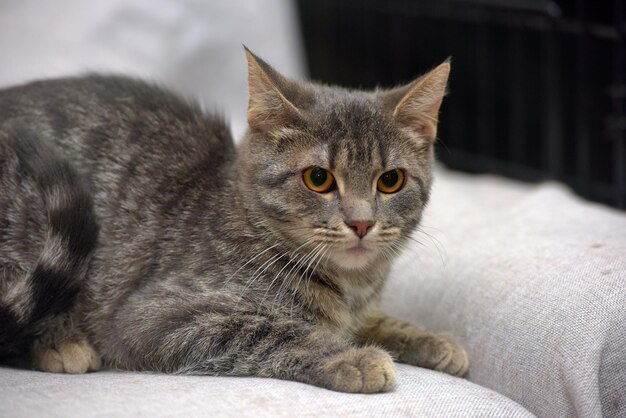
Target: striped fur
(49,287)
(212,259)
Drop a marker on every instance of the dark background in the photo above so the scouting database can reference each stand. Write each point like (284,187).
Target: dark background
(537,89)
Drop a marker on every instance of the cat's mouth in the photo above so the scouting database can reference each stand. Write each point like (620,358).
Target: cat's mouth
(354,257)
(357,250)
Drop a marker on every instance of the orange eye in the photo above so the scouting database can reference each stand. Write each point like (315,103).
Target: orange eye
(390,181)
(318,179)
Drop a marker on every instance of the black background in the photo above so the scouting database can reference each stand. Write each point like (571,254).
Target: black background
(537,89)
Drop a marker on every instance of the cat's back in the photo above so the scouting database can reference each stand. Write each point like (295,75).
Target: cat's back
(119,131)
(96,108)
(154,164)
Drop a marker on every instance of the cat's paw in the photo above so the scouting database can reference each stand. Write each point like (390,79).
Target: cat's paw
(435,352)
(364,370)
(75,356)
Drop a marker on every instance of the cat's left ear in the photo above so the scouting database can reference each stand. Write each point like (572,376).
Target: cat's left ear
(417,104)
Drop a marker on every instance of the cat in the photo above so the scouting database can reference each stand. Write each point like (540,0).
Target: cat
(132,229)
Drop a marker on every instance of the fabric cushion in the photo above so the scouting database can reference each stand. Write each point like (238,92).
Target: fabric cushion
(419,392)
(532,280)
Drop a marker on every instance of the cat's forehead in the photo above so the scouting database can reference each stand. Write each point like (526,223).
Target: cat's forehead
(355,130)
(344,111)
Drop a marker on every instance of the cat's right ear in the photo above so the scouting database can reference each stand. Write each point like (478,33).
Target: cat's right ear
(271,96)
(416,105)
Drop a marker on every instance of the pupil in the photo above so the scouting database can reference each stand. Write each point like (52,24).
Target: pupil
(390,178)
(318,176)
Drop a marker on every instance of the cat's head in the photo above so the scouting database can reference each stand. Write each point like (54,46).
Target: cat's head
(338,174)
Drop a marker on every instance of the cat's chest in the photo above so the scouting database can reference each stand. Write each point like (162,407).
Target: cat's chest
(359,298)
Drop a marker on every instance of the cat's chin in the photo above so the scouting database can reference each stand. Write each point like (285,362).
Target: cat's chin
(355,258)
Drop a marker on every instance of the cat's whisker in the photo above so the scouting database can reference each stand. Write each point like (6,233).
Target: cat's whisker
(429,227)
(294,269)
(281,270)
(436,242)
(335,241)
(415,240)
(387,254)
(308,282)
(331,233)
(287,279)
(297,268)
(297,285)
(306,274)
(248,262)
(271,232)
(320,258)
(397,249)
(307,260)
(392,251)
(258,272)
(316,261)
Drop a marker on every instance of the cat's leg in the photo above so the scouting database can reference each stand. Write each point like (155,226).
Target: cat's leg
(289,350)
(63,349)
(411,345)
(227,342)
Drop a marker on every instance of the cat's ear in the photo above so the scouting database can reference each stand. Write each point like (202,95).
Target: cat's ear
(417,104)
(273,99)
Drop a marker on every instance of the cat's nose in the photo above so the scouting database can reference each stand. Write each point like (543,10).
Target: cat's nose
(360,227)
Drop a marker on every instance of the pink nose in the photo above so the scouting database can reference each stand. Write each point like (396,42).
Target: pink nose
(360,227)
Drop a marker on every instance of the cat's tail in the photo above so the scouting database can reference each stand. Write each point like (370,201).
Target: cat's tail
(52,284)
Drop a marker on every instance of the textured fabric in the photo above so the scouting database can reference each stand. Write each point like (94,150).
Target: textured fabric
(533,281)
(420,392)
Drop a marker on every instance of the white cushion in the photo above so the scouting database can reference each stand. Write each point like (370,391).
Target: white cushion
(419,392)
(532,279)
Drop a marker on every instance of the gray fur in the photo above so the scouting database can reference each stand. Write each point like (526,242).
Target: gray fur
(212,259)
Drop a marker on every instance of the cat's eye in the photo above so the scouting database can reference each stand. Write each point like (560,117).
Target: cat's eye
(318,179)
(390,181)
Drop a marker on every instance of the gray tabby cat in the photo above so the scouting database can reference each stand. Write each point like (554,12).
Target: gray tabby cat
(133,230)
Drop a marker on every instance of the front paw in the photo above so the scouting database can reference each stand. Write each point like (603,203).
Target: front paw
(435,352)
(364,370)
